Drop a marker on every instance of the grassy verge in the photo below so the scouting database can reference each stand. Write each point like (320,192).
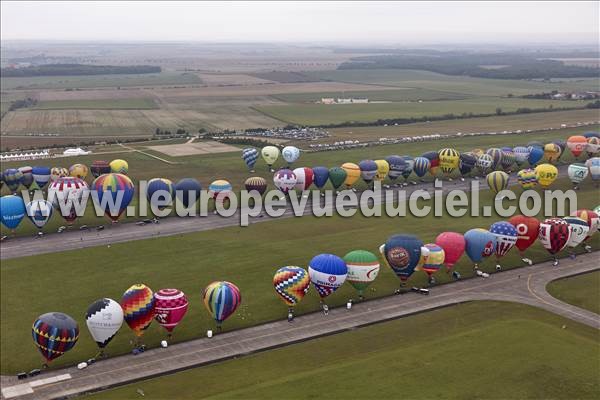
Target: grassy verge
(581,291)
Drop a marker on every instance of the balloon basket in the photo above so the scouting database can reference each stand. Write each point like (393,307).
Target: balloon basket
(555,263)
(527,261)
(588,248)
(498,267)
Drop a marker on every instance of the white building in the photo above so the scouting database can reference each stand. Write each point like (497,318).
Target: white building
(75,152)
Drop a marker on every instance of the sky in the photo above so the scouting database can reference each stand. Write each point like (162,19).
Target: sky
(325,22)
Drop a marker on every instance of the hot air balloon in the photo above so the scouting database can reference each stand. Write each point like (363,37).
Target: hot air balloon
(591,134)
(434,161)
(466,163)
(497,180)
(402,253)
(506,238)
(368,170)
(453,244)
(321,175)
(119,167)
(496,155)
(41,176)
(104,318)
(577,144)
(593,165)
(552,152)
(138,308)
(577,173)
(284,180)
(162,191)
(478,152)
(256,183)
(383,168)
(397,166)
(12,179)
(546,173)
(352,174)
(484,163)
(27,176)
(410,165)
(521,154)
(304,178)
(79,171)
(527,178)
(187,191)
(270,154)
(220,190)
(554,235)
(221,299)
(54,334)
(39,212)
(593,221)
(535,154)
(291,284)
(57,173)
(337,176)
(67,194)
(579,231)
(421,166)
(449,159)
(12,211)
(327,273)
(527,232)
(562,145)
(119,188)
(290,154)
(363,267)
(1,179)
(508,158)
(593,146)
(433,261)
(480,243)
(100,167)
(170,306)
(250,155)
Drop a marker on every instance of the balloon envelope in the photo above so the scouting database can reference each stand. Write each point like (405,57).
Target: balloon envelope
(497,180)
(434,258)
(352,173)
(480,243)
(12,211)
(170,306)
(256,183)
(79,171)
(579,231)
(554,234)
(284,180)
(117,187)
(397,166)
(138,308)
(453,244)
(54,334)
(363,268)
(577,172)
(546,174)
(41,175)
(535,154)
(250,155)
(270,154)
(527,230)
(577,144)
(291,284)
(506,237)
(119,167)
(421,166)
(321,175)
(104,318)
(221,299)
(304,178)
(187,191)
(402,253)
(39,212)
(12,179)
(290,154)
(327,273)
(527,178)
(100,167)
(449,159)
(164,190)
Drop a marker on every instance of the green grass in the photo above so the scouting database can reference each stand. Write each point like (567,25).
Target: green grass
(92,81)
(70,281)
(106,104)
(581,291)
(477,350)
(408,94)
(322,114)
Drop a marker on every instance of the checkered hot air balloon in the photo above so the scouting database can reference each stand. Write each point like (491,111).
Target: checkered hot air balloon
(54,334)
(138,308)
(527,178)
(291,284)
(170,306)
(58,172)
(250,155)
(554,234)
(221,299)
(506,237)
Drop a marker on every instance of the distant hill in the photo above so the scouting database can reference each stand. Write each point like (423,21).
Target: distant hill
(77,69)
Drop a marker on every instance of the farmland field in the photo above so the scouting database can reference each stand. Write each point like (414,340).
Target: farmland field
(581,290)
(424,347)
(106,104)
(407,94)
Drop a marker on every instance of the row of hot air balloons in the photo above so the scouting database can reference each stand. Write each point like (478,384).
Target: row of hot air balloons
(56,333)
(270,154)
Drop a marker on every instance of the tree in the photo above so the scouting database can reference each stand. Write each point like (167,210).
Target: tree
(498,111)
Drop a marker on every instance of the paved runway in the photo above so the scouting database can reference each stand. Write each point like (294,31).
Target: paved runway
(124,232)
(522,285)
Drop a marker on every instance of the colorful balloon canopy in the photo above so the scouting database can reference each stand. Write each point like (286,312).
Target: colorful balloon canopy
(188,191)
(591,217)
(250,155)
(363,267)
(402,253)
(170,306)
(320,176)
(160,192)
(58,172)
(421,166)
(506,237)
(527,231)
(554,234)
(138,308)
(577,144)
(79,171)
(480,243)
(67,194)
(284,180)
(54,334)
(546,174)
(39,212)
(221,299)
(41,176)
(327,273)
(119,167)
(552,152)
(291,284)
(100,167)
(449,159)
(220,189)
(104,318)
(434,161)
(270,154)
(434,258)
(521,154)
(337,176)
(527,178)
(496,156)
(497,180)
(256,183)
(304,178)
(118,188)
(453,244)
(353,172)
(290,154)
(27,176)
(579,231)
(397,166)
(12,211)
(368,170)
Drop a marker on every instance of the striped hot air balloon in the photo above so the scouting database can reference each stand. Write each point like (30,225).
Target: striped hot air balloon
(496,155)
(527,178)
(497,181)
(256,183)
(221,299)
(120,188)
(433,259)
(54,334)
(449,159)
(66,193)
(100,167)
(138,308)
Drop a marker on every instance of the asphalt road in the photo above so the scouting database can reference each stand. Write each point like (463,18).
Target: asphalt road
(522,285)
(125,232)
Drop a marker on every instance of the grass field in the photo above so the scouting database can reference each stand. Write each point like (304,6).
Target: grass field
(322,114)
(246,256)
(444,353)
(92,81)
(582,290)
(401,95)
(107,104)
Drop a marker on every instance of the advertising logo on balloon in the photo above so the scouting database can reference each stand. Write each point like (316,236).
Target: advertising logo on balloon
(398,257)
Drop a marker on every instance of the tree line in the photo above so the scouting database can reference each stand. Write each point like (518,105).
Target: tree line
(77,69)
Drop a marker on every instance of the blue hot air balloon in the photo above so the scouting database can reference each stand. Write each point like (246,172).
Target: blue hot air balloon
(535,154)
(164,188)
(12,211)
(187,191)
(480,243)
(397,166)
(421,167)
(12,178)
(321,175)
(368,170)
(327,273)
(591,134)
(41,175)
(467,162)
(250,155)
(402,254)
(521,154)
(39,212)
(410,165)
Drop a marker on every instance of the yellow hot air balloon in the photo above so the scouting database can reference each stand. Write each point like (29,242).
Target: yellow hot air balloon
(270,154)
(79,171)
(547,174)
(552,152)
(383,167)
(497,181)
(352,173)
(478,152)
(119,167)
(448,160)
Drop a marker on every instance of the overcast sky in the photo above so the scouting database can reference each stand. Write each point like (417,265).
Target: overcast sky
(384,22)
